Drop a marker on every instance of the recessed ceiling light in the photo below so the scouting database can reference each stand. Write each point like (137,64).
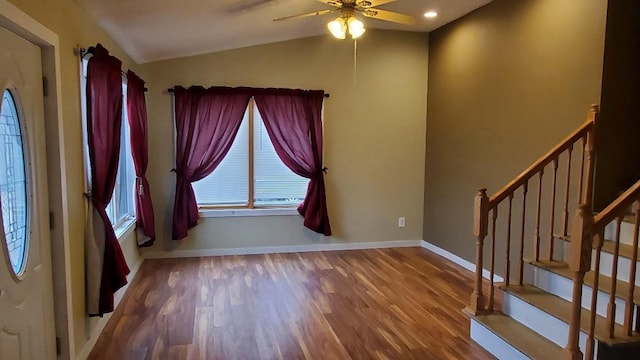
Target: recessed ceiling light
(430,14)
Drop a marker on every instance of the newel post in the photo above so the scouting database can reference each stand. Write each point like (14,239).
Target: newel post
(579,264)
(589,154)
(480,225)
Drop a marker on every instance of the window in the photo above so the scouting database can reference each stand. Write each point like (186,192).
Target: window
(251,175)
(13,186)
(121,208)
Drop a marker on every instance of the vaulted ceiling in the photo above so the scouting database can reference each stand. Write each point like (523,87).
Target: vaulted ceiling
(150,30)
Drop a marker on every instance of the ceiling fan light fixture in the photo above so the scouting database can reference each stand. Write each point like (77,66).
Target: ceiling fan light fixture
(338,28)
(356,27)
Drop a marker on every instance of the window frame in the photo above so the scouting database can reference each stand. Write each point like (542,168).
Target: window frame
(250,208)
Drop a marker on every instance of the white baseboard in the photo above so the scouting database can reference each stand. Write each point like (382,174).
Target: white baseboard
(458,260)
(319,247)
(97,331)
(282,249)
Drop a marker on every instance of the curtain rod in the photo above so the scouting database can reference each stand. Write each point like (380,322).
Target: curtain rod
(325,95)
(82,52)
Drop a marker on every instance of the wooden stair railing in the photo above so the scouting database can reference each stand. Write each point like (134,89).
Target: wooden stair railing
(486,209)
(590,230)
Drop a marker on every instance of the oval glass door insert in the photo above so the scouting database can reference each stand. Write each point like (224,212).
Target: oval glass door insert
(13,186)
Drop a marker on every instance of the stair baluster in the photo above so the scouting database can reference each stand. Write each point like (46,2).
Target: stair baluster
(507,263)
(552,217)
(598,241)
(611,308)
(525,188)
(536,250)
(494,217)
(567,191)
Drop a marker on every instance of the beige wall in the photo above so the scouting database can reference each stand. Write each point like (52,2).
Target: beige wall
(506,83)
(374,135)
(74,27)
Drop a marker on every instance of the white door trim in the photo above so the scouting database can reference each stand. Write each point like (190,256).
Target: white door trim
(24,25)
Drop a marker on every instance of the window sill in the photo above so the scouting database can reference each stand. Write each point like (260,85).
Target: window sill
(125,228)
(214,213)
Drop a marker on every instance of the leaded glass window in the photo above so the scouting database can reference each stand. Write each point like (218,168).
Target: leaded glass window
(13,187)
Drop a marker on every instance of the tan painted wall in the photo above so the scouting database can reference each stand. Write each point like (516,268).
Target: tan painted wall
(506,83)
(374,135)
(74,27)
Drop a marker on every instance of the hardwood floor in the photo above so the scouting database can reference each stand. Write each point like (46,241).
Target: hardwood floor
(402,303)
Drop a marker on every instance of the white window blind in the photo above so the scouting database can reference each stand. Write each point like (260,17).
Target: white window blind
(229,182)
(274,184)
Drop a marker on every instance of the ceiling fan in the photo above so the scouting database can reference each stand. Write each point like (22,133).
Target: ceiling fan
(348,21)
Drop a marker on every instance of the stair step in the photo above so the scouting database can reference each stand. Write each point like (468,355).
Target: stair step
(530,343)
(561,309)
(608,246)
(604,282)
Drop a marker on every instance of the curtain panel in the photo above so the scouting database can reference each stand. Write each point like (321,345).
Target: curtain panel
(105,264)
(293,119)
(137,111)
(207,121)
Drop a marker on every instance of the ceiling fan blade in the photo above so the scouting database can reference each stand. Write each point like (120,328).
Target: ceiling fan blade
(315,13)
(371,3)
(334,3)
(389,16)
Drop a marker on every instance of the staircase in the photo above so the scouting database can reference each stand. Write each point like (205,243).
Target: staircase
(551,262)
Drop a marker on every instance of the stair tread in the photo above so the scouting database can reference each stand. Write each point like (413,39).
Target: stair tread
(604,282)
(532,344)
(561,309)
(608,246)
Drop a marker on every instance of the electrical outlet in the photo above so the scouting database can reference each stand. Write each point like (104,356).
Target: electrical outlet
(401,222)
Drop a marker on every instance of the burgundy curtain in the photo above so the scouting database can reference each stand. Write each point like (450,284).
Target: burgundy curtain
(207,121)
(137,111)
(104,119)
(293,119)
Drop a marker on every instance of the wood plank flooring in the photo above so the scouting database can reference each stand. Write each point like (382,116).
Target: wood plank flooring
(402,303)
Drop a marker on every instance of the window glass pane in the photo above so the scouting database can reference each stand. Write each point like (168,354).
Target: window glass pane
(126,174)
(274,183)
(130,182)
(229,182)
(13,189)
(121,194)
(122,202)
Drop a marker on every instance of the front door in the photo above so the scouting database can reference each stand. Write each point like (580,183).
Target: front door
(26,300)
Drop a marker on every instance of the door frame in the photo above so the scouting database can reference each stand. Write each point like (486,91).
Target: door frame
(25,26)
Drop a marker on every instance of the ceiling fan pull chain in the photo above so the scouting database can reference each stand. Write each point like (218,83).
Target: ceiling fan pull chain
(355,59)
